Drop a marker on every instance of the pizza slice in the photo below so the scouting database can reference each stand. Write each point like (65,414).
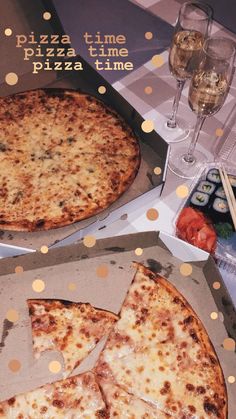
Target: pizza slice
(119,401)
(74,329)
(75,397)
(160,352)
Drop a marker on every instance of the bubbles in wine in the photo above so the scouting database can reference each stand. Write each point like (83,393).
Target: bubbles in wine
(184,53)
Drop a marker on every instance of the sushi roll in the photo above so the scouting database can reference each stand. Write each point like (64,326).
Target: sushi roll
(206,187)
(220,211)
(220,193)
(214,176)
(200,200)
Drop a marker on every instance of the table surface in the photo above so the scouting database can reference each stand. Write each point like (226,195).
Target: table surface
(154,106)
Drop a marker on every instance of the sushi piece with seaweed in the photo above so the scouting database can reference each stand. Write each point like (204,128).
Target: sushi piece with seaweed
(220,193)
(200,200)
(214,176)
(219,212)
(206,187)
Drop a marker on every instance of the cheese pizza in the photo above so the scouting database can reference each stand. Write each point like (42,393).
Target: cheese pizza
(64,156)
(160,352)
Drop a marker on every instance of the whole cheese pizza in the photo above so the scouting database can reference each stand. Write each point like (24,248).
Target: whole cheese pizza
(64,156)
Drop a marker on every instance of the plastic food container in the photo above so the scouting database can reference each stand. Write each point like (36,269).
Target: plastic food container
(207,196)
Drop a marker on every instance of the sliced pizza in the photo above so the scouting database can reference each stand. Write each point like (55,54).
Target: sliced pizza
(160,352)
(74,329)
(75,397)
(121,404)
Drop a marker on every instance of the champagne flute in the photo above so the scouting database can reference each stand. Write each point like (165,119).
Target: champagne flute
(192,27)
(207,93)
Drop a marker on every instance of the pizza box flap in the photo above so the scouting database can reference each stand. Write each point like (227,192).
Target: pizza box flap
(78,265)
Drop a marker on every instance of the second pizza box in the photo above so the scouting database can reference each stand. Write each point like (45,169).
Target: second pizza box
(101,275)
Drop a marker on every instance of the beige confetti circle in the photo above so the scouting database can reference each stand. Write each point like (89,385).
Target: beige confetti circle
(157,170)
(11,79)
(147,126)
(152,214)
(72,286)
(12,315)
(219,132)
(216,285)
(102,271)
(157,60)
(89,241)
(14,365)
(148,35)
(182,191)
(229,344)
(44,249)
(214,315)
(54,367)
(148,90)
(231,379)
(19,269)
(138,251)
(47,15)
(186,269)
(8,32)
(38,285)
(102,90)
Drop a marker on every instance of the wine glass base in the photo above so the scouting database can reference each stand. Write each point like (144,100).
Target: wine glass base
(177,134)
(180,167)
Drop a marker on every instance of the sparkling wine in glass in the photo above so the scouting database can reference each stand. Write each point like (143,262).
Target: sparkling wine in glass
(207,93)
(192,27)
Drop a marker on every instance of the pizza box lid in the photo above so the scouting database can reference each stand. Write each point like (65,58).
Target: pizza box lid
(77,265)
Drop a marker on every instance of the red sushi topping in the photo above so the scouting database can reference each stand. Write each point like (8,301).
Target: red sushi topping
(195,228)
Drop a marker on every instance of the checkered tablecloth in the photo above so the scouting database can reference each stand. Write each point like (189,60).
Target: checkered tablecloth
(154,106)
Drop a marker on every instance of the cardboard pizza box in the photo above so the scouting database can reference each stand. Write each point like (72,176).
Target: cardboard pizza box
(78,265)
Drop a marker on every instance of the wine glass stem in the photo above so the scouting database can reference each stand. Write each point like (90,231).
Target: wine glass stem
(171,123)
(189,157)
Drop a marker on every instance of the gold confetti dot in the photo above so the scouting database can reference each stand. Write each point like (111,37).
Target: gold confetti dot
(148,35)
(102,271)
(147,126)
(219,132)
(148,90)
(44,249)
(138,251)
(38,285)
(14,365)
(19,269)
(8,32)
(214,315)
(72,286)
(182,191)
(47,15)
(11,79)
(229,344)
(12,315)
(157,60)
(216,285)
(54,367)
(152,214)
(157,170)
(186,269)
(231,379)
(89,241)
(102,90)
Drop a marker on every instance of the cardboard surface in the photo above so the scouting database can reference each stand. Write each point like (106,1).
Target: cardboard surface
(72,264)
(153,150)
